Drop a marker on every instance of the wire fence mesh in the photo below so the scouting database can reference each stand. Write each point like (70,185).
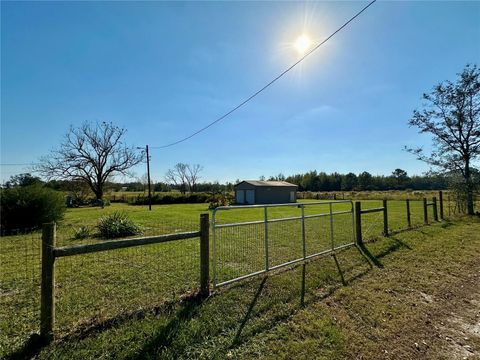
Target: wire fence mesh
(20,266)
(91,288)
(372,223)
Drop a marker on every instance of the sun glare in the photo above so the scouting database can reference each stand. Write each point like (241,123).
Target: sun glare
(303,44)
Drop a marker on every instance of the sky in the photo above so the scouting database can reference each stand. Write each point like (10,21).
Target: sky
(162,70)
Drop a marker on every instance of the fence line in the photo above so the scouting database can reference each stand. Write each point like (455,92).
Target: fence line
(270,237)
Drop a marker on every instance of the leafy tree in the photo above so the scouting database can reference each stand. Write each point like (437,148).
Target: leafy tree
(401,177)
(92,153)
(451,114)
(22,180)
(365,179)
(349,182)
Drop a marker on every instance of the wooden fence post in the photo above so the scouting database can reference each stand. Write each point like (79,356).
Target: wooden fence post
(204,254)
(358,222)
(425,211)
(385,218)
(435,211)
(409,215)
(440,198)
(47,295)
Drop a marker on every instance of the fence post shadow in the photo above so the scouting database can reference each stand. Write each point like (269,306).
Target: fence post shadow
(374,260)
(236,339)
(167,333)
(340,271)
(371,259)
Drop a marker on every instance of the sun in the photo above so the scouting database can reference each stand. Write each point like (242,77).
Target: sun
(302,44)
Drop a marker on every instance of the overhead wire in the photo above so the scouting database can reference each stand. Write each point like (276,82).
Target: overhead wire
(267,85)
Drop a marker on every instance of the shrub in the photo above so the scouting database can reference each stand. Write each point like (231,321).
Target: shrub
(158,199)
(117,224)
(29,207)
(80,233)
(217,200)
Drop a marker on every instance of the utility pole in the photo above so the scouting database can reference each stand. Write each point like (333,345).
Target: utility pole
(149,186)
(148,177)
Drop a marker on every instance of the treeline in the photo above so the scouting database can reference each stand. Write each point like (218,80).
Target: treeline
(310,181)
(398,180)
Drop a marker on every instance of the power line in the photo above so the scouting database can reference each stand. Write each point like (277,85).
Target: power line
(267,85)
(24,164)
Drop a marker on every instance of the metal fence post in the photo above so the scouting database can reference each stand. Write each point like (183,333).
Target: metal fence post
(440,198)
(214,250)
(425,211)
(304,245)
(449,209)
(204,255)
(47,294)
(331,228)
(385,218)
(358,222)
(409,215)
(266,238)
(435,211)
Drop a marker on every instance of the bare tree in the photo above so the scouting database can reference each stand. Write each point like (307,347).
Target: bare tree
(451,115)
(92,153)
(193,175)
(178,176)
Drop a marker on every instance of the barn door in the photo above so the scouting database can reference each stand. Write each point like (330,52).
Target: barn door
(292,196)
(250,196)
(240,198)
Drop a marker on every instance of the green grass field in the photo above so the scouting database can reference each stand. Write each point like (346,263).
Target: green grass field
(93,288)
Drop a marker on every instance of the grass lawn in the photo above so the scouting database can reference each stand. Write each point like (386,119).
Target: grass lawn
(96,288)
(413,295)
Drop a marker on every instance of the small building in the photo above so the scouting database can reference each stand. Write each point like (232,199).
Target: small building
(265,192)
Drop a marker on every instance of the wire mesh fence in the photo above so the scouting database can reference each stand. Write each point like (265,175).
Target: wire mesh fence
(372,223)
(91,288)
(20,264)
(416,212)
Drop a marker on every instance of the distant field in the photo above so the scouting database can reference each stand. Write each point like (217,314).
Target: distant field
(95,287)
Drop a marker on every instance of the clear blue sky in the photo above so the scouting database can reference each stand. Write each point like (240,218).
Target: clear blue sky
(163,70)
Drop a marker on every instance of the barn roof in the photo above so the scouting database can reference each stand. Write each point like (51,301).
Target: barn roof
(267,183)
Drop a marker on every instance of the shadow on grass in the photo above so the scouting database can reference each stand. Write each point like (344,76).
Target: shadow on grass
(374,259)
(236,340)
(340,272)
(29,349)
(32,347)
(165,337)
(166,334)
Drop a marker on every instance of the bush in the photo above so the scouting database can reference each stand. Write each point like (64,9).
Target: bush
(82,232)
(158,199)
(217,200)
(29,207)
(116,225)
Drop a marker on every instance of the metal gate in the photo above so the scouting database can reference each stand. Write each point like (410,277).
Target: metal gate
(253,239)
